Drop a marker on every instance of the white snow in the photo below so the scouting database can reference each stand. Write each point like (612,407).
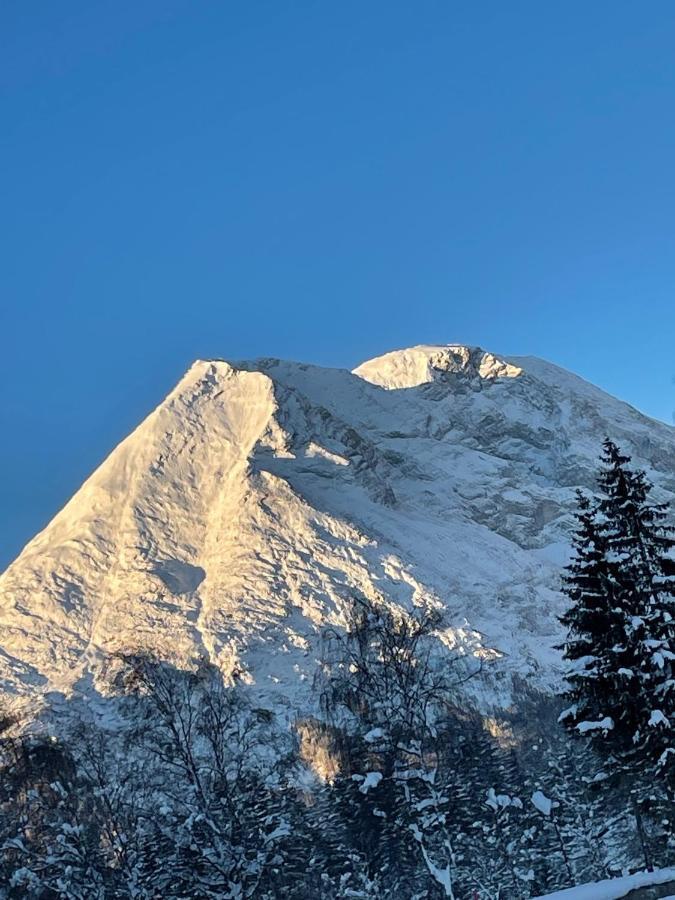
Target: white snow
(606,724)
(371,780)
(246,511)
(495,801)
(614,888)
(542,803)
(657,718)
(566,713)
(420,365)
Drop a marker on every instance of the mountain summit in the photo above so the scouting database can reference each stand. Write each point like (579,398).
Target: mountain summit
(249,509)
(421,365)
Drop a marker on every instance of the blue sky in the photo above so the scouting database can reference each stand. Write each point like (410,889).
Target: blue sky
(323,181)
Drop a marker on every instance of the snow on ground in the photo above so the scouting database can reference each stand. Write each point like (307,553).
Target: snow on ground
(614,888)
(246,511)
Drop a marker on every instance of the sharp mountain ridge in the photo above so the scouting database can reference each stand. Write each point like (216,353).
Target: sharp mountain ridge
(260,497)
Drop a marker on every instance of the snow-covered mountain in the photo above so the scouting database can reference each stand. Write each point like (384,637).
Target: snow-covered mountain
(246,511)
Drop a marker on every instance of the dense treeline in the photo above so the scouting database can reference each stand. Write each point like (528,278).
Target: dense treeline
(397,790)
(195,797)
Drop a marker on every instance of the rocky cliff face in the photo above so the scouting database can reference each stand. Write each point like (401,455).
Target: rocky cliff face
(248,509)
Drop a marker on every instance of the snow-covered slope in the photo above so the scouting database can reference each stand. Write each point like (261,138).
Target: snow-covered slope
(259,497)
(616,888)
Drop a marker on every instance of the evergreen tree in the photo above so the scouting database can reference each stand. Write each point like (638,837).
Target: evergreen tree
(621,624)
(640,544)
(589,586)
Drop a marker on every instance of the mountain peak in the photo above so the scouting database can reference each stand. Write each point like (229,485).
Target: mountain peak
(425,363)
(246,513)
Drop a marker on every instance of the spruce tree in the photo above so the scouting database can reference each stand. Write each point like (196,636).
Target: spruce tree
(621,624)
(592,617)
(640,546)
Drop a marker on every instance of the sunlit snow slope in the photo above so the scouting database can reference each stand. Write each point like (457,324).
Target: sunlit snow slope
(259,497)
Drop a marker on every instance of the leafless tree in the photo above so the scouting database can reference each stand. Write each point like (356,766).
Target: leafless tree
(387,680)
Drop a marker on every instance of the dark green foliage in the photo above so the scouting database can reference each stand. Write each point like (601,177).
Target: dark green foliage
(621,624)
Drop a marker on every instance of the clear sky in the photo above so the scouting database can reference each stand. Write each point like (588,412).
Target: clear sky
(323,181)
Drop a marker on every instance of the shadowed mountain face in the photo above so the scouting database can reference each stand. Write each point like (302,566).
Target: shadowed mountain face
(244,514)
